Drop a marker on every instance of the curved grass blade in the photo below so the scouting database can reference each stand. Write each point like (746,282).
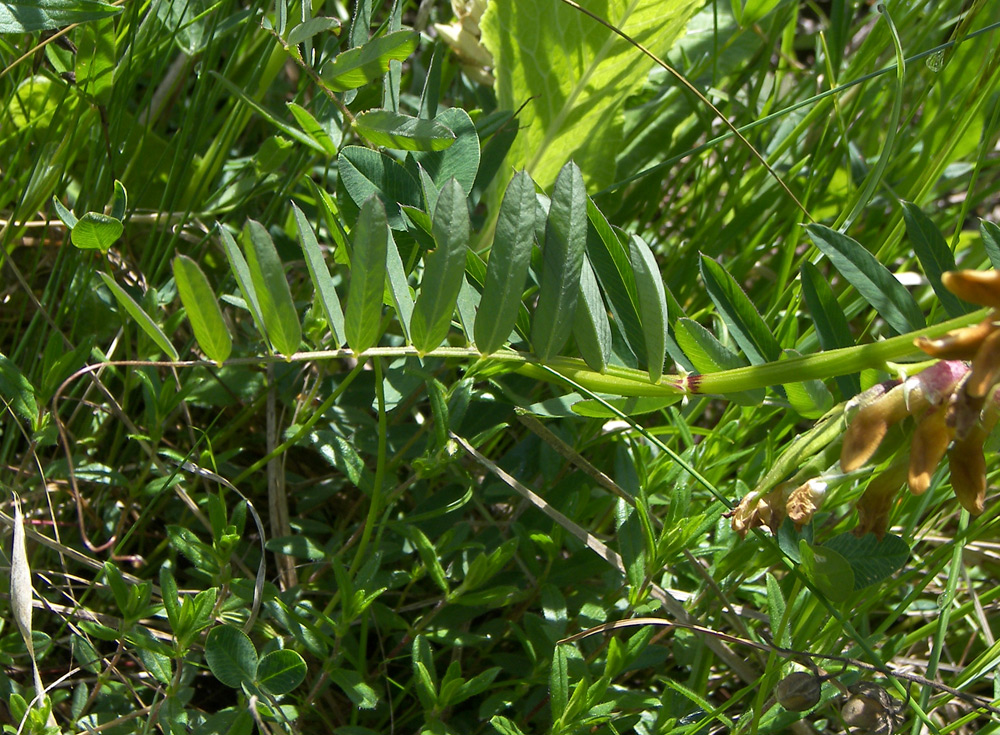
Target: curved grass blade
(403,132)
(591,327)
(363,315)
(873,280)
(831,323)
(144,320)
(739,314)
(320,275)
(507,269)
(281,321)
(562,259)
(202,310)
(443,271)
(242,273)
(652,304)
(934,255)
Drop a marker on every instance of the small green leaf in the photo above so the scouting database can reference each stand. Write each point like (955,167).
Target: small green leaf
(119,202)
(990,233)
(562,259)
(17,391)
(281,321)
(365,172)
(428,555)
(631,543)
(776,612)
(443,270)
(65,216)
(357,67)
(402,132)
(320,275)
(94,231)
(559,683)
(202,310)
(872,560)
(314,26)
(810,398)
(231,656)
(507,269)
(311,127)
(243,279)
(591,327)
(934,255)
(279,672)
(460,159)
(652,304)
(873,280)
(505,726)
(143,319)
(355,688)
(739,314)
(708,355)
(828,570)
(171,599)
(831,323)
(363,315)
(399,287)
(28,16)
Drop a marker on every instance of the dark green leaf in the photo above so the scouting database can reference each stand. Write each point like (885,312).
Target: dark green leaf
(277,308)
(402,132)
(399,287)
(652,304)
(631,543)
(507,269)
(231,656)
(591,327)
(443,270)
(708,355)
(872,279)
(429,556)
(831,323)
(95,231)
(279,672)
(242,272)
(355,688)
(357,67)
(119,202)
(635,406)
(776,612)
(202,310)
(990,233)
(809,398)
(934,255)
(145,322)
(17,391)
(461,159)
(739,314)
(872,560)
(363,316)
(365,172)
(504,726)
(559,683)
(320,275)
(28,16)
(562,259)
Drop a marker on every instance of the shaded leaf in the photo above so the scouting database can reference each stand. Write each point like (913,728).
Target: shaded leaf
(739,314)
(320,275)
(28,16)
(708,355)
(990,233)
(828,570)
(365,172)
(459,160)
(652,304)
(934,255)
(279,672)
(591,327)
(145,322)
(311,127)
(281,321)
(17,391)
(231,656)
(831,323)
(872,560)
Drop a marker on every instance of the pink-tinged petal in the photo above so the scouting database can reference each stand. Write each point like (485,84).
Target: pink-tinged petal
(977,287)
(876,502)
(934,384)
(958,344)
(930,442)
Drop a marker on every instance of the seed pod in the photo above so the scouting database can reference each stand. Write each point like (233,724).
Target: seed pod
(798,691)
(930,442)
(870,709)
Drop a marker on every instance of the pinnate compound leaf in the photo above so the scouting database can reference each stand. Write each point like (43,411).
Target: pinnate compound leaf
(591,327)
(320,275)
(202,310)
(873,280)
(231,656)
(507,269)
(144,320)
(277,308)
(576,75)
(652,304)
(279,672)
(739,314)
(363,316)
(831,323)
(443,271)
(28,16)
(95,231)
(402,132)
(562,259)
(357,67)
(934,255)
(872,560)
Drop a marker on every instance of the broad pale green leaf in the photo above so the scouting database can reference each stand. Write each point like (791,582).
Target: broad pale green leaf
(145,322)
(591,327)
(279,672)
(574,75)
(652,304)
(402,132)
(562,259)
(459,160)
(363,315)
(991,241)
(365,172)
(320,275)
(202,310)
(313,26)
(873,280)
(708,355)
(357,67)
(94,231)
(443,270)
(311,127)
(934,255)
(17,391)
(870,559)
(277,308)
(231,656)
(242,272)
(507,269)
(28,16)
(95,61)
(739,314)
(831,323)
(828,570)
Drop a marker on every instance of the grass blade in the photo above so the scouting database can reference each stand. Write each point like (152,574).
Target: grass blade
(320,275)
(562,259)
(363,316)
(281,321)
(202,310)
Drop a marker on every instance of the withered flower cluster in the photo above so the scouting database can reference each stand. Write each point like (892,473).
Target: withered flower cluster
(955,404)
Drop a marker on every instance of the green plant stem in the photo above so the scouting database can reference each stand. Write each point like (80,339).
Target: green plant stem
(375,507)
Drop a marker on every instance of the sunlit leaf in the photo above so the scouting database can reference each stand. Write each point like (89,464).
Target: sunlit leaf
(145,322)
(202,310)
